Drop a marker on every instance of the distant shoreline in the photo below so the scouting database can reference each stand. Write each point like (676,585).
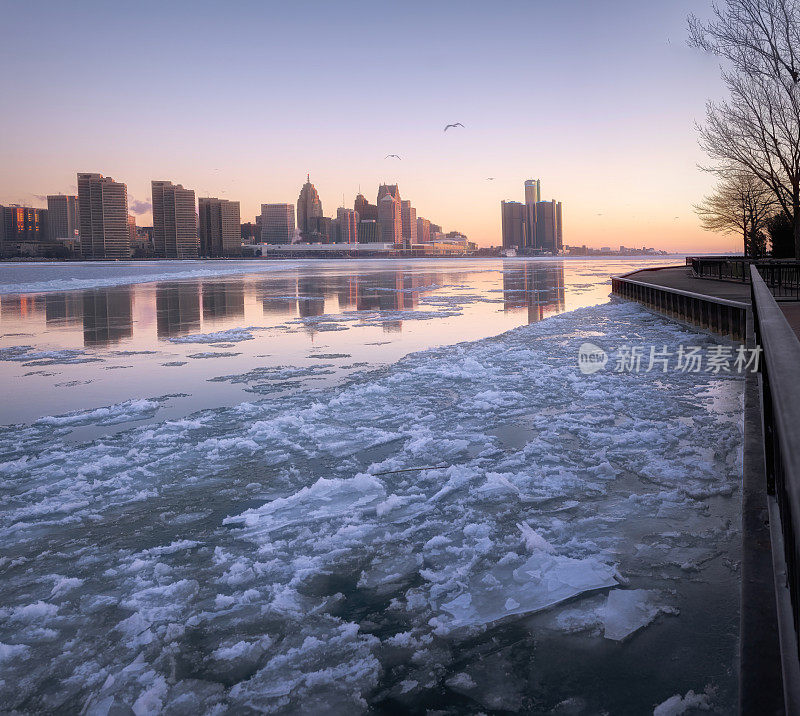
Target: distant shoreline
(39,260)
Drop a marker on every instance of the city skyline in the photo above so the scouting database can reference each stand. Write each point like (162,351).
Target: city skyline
(588,123)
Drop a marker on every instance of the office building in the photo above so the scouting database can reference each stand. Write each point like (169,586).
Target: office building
(533,191)
(385,189)
(103,217)
(366,211)
(547,234)
(220,227)
(174,221)
(251,232)
(320,230)
(277,223)
(369,232)
(24,224)
(309,207)
(513,223)
(423,230)
(408,218)
(62,217)
(390,219)
(132,232)
(347,223)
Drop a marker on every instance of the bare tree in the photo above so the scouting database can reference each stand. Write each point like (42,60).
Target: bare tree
(739,204)
(758,129)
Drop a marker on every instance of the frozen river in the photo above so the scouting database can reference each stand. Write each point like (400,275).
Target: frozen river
(358,486)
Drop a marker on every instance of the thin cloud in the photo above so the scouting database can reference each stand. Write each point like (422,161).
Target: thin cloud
(140,207)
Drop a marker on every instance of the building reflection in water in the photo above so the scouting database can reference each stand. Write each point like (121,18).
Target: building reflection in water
(107,315)
(311,290)
(63,309)
(278,296)
(223,299)
(21,306)
(539,289)
(177,308)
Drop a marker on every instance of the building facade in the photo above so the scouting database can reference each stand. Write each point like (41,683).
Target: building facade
(366,211)
(24,224)
(408,218)
(103,217)
(347,222)
(533,191)
(423,230)
(547,233)
(277,223)
(174,221)
(309,207)
(513,223)
(62,217)
(369,231)
(220,227)
(390,219)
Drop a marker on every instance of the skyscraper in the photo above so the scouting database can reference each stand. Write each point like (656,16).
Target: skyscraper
(347,221)
(385,189)
(132,233)
(309,206)
(24,223)
(408,217)
(220,227)
(174,221)
(369,231)
(533,191)
(277,223)
(513,221)
(62,216)
(546,231)
(423,230)
(533,195)
(103,212)
(390,219)
(366,211)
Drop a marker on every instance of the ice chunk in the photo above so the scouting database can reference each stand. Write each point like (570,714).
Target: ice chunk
(232,335)
(628,610)
(533,540)
(326,498)
(677,705)
(542,581)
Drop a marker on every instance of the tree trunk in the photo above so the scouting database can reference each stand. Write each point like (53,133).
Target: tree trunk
(796,219)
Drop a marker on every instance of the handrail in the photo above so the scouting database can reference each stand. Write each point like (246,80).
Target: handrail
(780,399)
(782,276)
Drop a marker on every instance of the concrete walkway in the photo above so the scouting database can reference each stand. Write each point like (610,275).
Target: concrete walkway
(680,278)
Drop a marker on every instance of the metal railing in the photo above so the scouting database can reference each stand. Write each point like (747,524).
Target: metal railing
(781,276)
(780,414)
(720,315)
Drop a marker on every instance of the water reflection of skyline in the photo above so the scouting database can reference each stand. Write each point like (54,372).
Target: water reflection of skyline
(106,315)
(539,289)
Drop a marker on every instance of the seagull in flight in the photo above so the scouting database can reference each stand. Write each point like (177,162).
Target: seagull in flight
(396,156)
(457,124)
(489,178)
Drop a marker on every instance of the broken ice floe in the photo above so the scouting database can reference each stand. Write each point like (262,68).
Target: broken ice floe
(389,521)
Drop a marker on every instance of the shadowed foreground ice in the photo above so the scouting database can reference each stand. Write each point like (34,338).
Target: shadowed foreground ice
(563,543)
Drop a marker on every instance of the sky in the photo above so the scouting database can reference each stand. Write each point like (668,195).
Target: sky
(597,98)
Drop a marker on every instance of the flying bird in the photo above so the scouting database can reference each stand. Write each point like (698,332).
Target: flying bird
(457,124)
(396,156)
(489,178)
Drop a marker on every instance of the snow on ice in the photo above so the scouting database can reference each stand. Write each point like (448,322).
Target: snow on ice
(324,550)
